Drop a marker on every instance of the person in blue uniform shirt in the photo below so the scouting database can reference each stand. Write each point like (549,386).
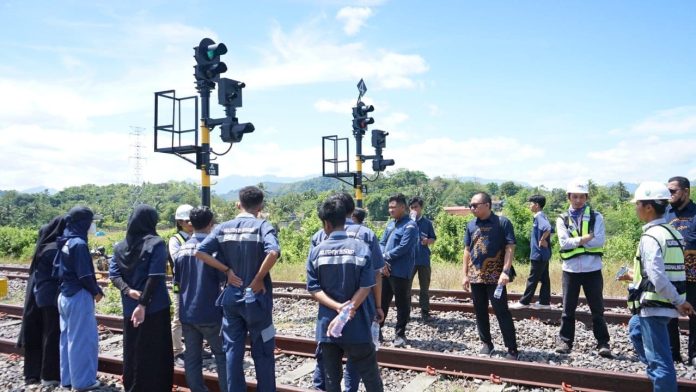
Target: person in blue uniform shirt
(681,214)
(40,332)
(489,247)
(138,270)
(247,248)
(79,341)
(364,234)
(199,287)
(339,274)
(183,233)
(426,237)
(398,245)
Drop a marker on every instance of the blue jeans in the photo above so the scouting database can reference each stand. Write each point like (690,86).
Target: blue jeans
(79,340)
(193,356)
(651,341)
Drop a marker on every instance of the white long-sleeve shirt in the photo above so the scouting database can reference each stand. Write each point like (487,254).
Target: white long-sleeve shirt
(586,262)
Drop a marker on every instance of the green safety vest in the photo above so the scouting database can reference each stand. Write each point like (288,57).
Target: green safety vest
(671,244)
(588,220)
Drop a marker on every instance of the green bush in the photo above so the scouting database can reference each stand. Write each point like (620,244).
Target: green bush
(449,230)
(17,243)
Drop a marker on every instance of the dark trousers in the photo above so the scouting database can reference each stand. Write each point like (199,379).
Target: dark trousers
(148,365)
(424,273)
(673,328)
(364,359)
(538,273)
(592,284)
(42,335)
(400,290)
(481,294)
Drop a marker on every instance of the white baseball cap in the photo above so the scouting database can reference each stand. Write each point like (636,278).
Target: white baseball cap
(651,190)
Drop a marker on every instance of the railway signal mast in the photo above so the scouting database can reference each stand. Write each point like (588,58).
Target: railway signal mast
(207,74)
(361,119)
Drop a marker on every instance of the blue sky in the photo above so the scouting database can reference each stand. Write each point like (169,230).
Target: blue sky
(533,91)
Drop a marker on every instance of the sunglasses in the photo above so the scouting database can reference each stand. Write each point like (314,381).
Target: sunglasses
(474,206)
(673,191)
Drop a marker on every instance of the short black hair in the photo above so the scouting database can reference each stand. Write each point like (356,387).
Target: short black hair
(250,197)
(538,199)
(660,206)
(399,198)
(200,217)
(333,211)
(416,200)
(682,181)
(347,201)
(359,215)
(486,197)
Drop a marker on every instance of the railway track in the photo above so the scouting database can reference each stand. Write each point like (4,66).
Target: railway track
(500,370)
(548,315)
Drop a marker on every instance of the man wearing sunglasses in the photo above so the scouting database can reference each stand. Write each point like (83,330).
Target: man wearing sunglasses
(489,245)
(681,214)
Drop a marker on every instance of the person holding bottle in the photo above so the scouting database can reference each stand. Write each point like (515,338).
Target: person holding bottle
(489,242)
(340,276)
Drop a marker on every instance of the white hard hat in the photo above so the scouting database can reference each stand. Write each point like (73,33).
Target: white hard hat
(577,187)
(651,190)
(182,213)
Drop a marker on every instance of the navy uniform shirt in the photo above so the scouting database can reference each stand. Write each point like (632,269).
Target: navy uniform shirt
(684,221)
(426,231)
(242,244)
(399,246)
(339,266)
(199,285)
(540,226)
(486,239)
(150,264)
(76,264)
(366,235)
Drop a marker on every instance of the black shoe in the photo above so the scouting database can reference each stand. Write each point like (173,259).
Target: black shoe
(563,347)
(512,355)
(486,349)
(31,381)
(677,359)
(207,354)
(605,351)
(426,317)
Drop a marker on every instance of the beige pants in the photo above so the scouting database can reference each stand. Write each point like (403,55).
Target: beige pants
(176,328)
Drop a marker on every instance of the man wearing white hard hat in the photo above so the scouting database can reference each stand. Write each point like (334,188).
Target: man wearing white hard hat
(183,233)
(581,237)
(657,292)
(681,214)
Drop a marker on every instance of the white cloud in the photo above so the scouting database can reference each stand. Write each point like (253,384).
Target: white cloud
(353,18)
(675,121)
(307,55)
(340,107)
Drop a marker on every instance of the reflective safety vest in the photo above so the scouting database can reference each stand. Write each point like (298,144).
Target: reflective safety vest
(588,221)
(671,245)
(170,263)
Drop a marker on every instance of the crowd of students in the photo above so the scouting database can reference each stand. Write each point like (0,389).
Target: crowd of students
(223,287)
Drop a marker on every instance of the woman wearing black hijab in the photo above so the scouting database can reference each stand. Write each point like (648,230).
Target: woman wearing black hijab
(40,331)
(138,269)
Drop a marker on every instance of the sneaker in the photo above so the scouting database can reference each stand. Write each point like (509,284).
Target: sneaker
(179,360)
(50,383)
(538,306)
(519,305)
(563,348)
(512,355)
(399,341)
(605,351)
(692,361)
(92,387)
(486,349)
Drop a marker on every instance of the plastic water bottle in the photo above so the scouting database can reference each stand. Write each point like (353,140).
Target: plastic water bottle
(341,320)
(375,334)
(249,296)
(498,291)
(413,215)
